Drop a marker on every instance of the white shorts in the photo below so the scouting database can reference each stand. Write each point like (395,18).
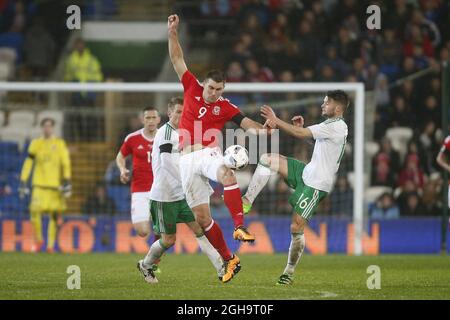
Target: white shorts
(140,207)
(195,170)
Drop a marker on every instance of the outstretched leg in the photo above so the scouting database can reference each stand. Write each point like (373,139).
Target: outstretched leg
(295,249)
(268,164)
(207,248)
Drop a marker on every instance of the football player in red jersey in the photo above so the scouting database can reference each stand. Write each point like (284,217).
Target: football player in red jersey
(443,161)
(204,116)
(139,145)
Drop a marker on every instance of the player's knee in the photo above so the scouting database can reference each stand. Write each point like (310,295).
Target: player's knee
(169,240)
(203,221)
(265,159)
(142,233)
(298,225)
(228,177)
(196,229)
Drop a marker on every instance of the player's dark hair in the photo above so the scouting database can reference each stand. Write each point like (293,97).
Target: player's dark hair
(215,75)
(45,120)
(174,101)
(150,108)
(340,97)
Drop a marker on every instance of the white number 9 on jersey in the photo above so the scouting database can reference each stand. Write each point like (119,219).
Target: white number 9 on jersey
(202,112)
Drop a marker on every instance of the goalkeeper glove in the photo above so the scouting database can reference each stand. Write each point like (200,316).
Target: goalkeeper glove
(23,190)
(66,188)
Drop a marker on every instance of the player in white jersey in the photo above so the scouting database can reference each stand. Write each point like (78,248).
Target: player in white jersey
(312,181)
(168,202)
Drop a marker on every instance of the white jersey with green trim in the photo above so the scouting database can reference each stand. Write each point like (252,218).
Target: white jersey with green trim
(331,137)
(166,173)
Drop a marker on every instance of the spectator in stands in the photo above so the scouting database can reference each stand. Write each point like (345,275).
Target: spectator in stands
(255,73)
(401,116)
(307,74)
(385,208)
(240,52)
(412,172)
(427,28)
(13,39)
(413,206)
(308,46)
(99,202)
(382,95)
(416,38)
(408,67)
(341,198)
(385,165)
(39,49)
(389,53)
(407,189)
(430,146)
(346,46)
(235,73)
(331,58)
(431,111)
(430,199)
(82,66)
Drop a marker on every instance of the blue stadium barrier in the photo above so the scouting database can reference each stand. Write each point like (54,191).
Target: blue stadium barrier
(325,235)
(121,197)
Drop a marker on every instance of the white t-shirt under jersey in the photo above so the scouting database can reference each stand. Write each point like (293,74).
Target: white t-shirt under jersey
(330,136)
(166,181)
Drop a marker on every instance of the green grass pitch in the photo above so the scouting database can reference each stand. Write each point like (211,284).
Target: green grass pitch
(191,277)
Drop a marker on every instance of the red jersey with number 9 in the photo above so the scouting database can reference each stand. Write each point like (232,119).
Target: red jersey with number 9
(140,148)
(201,122)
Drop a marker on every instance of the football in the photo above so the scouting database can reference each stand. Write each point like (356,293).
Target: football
(236,157)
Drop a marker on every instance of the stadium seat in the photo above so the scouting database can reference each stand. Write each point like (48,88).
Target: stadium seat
(18,127)
(5,71)
(373,193)
(8,55)
(23,118)
(17,135)
(371,149)
(351,179)
(8,147)
(399,138)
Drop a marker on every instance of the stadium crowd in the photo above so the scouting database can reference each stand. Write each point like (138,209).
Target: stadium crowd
(328,41)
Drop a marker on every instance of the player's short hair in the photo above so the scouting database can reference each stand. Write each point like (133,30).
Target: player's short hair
(45,120)
(150,108)
(174,101)
(215,75)
(340,97)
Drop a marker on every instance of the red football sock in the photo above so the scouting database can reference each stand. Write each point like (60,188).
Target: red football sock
(215,237)
(233,200)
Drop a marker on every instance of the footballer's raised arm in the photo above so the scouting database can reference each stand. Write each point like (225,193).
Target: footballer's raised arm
(175,51)
(253,127)
(294,130)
